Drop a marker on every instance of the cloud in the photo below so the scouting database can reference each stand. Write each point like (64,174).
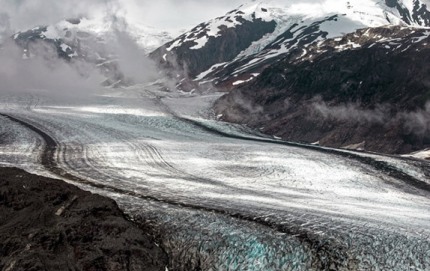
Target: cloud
(45,72)
(49,73)
(174,14)
(5,29)
(40,68)
(131,59)
(25,14)
(163,14)
(415,122)
(352,112)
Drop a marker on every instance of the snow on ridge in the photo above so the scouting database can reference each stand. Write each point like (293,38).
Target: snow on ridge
(61,29)
(208,71)
(423,154)
(51,33)
(146,37)
(201,34)
(65,47)
(360,13)
(296,16)
(239,82)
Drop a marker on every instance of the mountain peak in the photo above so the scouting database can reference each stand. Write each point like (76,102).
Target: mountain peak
(371,13)
(277,27)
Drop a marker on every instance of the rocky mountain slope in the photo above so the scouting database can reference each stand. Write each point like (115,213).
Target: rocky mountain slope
(367,89)
(47,224)
(247,39)
(337,73)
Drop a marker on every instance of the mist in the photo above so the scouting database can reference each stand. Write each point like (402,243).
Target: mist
(45,72)
(41,69)
(25,14)
(171,15)
(415,122)
(131,59)
(5,28)
(352,112)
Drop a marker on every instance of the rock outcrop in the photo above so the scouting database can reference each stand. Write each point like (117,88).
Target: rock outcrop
(369,86)
(47,224)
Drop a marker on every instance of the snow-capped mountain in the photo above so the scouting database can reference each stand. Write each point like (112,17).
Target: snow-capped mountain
(89,38)
(340,73)
(255,34)
(368,89)
(71,31)
(96,41)
(72,40)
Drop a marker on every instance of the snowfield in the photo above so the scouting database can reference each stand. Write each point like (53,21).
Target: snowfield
(223,197)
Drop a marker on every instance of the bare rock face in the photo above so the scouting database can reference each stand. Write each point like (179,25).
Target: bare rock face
(47,224)
(185,55)
(344,91)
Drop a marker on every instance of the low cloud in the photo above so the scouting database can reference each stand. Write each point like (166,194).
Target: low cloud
(415,122)
(25,14)
(5,28)
(44,72)
(164,14)
(352,111)
(131,59)
(40,68)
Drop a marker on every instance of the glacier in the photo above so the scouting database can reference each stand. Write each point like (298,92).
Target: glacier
(219,196)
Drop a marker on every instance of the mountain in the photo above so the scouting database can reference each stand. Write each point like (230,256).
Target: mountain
(368,89)
(216,41)
(245,40)
(93,41)
(70,32)
(349,74)
(332,72)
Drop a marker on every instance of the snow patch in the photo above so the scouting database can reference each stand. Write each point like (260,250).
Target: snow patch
(52,33)
(423,154)
(239,82)
(208,71)
(65,47)
(200,43)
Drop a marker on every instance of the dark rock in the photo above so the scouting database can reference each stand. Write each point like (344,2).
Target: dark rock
(74,20)
(47,224)
(377,93)
(421,14)
(391,3)
(227,46)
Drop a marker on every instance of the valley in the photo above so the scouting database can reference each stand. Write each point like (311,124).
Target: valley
(183,173)
(282,135)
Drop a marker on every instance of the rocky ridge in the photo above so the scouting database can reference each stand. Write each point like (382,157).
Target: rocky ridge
(46,224)
(367,88)
(222,48)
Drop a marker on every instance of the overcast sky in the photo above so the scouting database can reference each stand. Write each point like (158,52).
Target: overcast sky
(164,14)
